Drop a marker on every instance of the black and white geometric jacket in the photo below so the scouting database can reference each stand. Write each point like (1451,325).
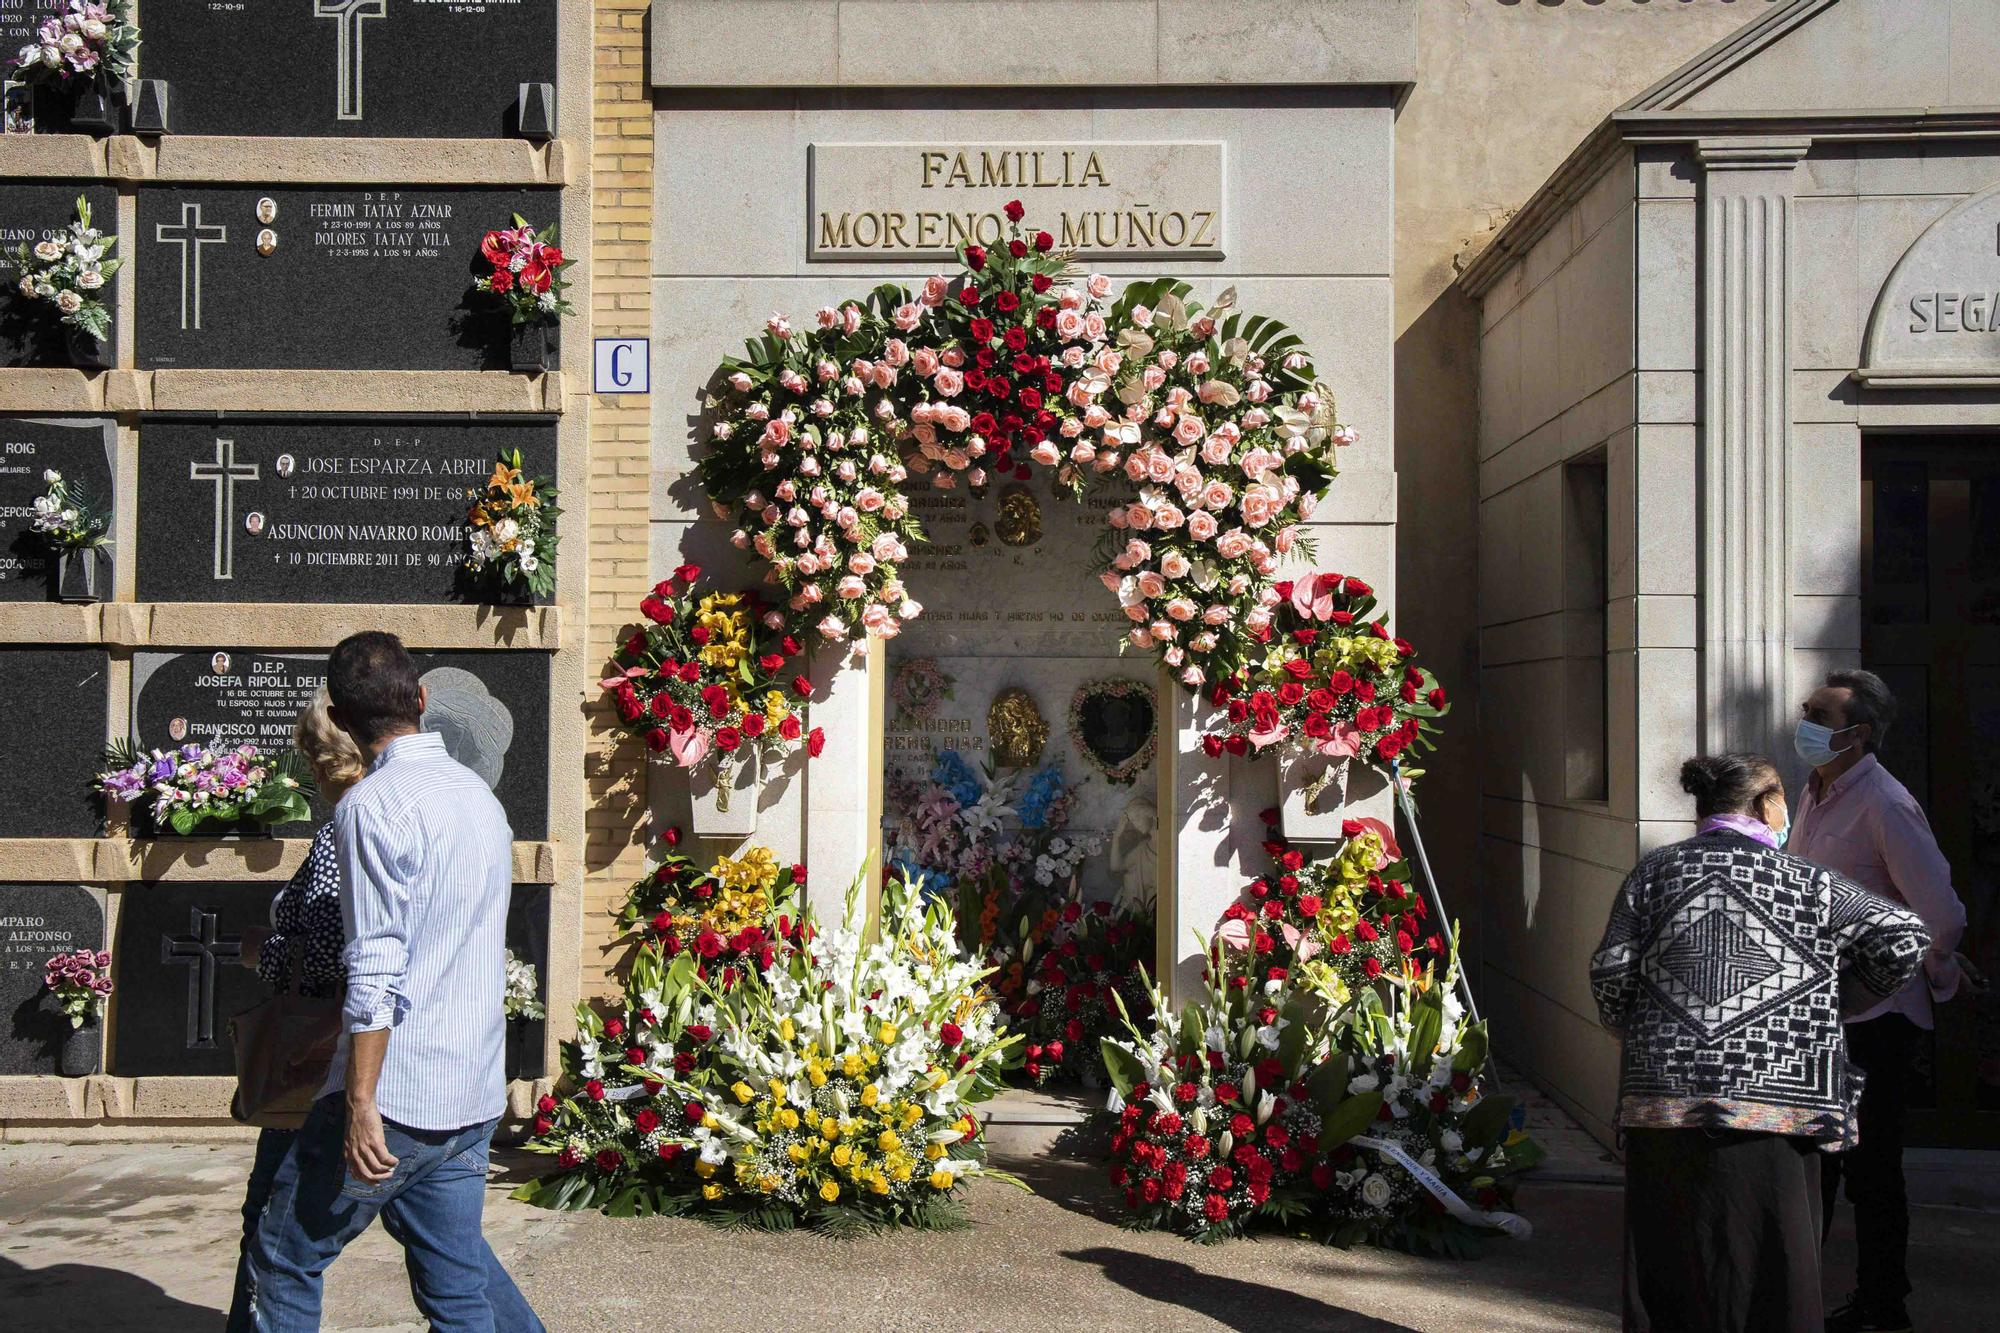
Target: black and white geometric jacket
(1722,968)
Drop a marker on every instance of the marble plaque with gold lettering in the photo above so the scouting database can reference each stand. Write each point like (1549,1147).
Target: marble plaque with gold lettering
(1105,200)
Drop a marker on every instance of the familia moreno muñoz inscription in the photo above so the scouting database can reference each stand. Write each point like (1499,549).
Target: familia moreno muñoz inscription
(922,201)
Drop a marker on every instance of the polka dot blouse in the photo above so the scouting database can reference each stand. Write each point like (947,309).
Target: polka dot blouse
(306,916)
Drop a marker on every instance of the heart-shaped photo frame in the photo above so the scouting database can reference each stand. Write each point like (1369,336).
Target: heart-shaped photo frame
(1115,726)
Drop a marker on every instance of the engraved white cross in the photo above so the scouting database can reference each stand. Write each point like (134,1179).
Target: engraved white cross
(225,472)
(190,235)
(348,15)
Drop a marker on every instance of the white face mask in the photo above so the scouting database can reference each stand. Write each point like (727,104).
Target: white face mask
(1814,742)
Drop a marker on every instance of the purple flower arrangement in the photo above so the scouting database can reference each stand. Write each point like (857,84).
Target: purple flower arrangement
(197,784)
(91,35)
(80,981)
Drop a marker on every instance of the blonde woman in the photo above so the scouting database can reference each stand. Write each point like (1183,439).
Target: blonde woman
(305,932)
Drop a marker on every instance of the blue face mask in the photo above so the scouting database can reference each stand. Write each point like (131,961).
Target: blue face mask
(1813,742)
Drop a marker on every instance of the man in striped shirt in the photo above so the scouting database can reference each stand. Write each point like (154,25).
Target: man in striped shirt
(417,1085)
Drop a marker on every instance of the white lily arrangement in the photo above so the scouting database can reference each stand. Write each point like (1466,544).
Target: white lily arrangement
(833,1088)
(70,270)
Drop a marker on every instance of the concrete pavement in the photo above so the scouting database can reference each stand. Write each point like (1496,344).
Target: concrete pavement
(142,1237)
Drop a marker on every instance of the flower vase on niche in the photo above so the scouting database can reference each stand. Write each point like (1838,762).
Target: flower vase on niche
(80,574)
(82,1051)
(86,350)
(1313,796)
(95,108)
(725,796)
(528,349)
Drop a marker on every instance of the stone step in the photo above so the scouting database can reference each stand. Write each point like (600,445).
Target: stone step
(1055,1121)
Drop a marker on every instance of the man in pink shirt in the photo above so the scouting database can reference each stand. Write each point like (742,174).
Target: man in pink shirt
(1858,821)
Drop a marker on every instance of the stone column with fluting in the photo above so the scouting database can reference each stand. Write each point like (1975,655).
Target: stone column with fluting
(1745,439)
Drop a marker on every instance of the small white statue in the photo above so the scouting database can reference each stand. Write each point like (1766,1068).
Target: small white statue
(1133,860)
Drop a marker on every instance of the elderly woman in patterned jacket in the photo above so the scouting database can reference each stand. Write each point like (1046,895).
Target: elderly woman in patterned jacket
(1723,968)
(306,939)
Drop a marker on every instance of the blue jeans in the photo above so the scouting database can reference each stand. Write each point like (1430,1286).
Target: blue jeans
(431,1204)
(272,1147)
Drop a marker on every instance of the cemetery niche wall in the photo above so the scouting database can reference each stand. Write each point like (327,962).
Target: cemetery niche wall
(30,331)
(335,509)
(36,922)
(303,187)
(374,68)
(287,277)
(182,972)
(81,451)
(492,708)
(66,692)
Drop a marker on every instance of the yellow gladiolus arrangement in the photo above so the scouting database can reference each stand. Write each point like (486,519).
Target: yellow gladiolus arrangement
(831,1087)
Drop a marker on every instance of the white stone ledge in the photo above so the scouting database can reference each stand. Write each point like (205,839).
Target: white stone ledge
(70,156)
(739,44)
(323,624)
(177,157)
(297,625)
(41,623)
(482,391)
(51,388)
(119,860)
(104,1106)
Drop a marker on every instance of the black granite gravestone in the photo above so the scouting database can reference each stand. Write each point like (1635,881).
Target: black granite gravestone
(31,333)
(180,975)
(492,708)
(251,509)
(38,921)
(446,69)
(353,279)
(528,940)
(79,449)
(18,21)
(58,700)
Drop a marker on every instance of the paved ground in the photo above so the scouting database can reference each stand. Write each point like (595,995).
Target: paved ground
(143,1238)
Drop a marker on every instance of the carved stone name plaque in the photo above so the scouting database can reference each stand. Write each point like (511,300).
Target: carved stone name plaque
(1099,200)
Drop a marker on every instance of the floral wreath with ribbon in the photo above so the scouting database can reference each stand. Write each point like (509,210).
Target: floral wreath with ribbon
(1208,418)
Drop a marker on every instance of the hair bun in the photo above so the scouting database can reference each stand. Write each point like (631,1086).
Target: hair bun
(1699,777)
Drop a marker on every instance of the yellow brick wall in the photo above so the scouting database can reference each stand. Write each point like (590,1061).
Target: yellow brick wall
(620,459)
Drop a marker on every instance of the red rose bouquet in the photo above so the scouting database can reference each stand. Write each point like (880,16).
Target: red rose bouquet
(1227,1109)
(1064,972)
(709,675)
(525,272)
(1342,922)
(729,917)
(1328,680)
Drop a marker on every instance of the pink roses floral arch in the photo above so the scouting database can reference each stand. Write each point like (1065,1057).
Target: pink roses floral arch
(1207,417)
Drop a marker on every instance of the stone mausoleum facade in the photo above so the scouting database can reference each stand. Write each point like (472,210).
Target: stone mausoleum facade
(1668,332)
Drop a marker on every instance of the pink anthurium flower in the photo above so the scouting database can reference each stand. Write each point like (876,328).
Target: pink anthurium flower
(1344,743)
(689,746)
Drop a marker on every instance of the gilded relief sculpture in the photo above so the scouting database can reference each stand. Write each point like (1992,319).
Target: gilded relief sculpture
(1017,729)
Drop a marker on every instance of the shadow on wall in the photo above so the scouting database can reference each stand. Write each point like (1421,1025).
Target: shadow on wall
(1437,568)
